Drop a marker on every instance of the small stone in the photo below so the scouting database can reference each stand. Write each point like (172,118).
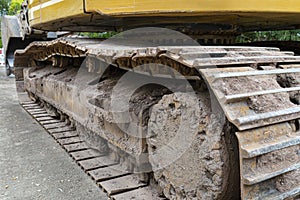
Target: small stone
(216,146)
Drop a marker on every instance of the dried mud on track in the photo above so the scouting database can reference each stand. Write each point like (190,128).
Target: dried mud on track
(260,104)
(32,165)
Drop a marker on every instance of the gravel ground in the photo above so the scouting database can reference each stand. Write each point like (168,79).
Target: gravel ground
(32,164)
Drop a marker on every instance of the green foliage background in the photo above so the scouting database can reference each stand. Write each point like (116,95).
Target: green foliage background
(103,35)
(14,7)
(285,35)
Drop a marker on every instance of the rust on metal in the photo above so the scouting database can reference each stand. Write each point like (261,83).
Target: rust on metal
(252,86)
(99,167)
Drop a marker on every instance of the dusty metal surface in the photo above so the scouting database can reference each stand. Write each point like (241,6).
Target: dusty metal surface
(255,87)
(252,98)
(32,165)
(105,171)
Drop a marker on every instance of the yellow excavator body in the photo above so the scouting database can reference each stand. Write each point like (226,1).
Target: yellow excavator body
(94,14)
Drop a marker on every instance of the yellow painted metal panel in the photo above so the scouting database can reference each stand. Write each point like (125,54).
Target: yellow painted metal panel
(77,15)
(41,11)
(135,7)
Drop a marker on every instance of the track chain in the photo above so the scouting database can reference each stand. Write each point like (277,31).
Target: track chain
(268,134)
(108,174)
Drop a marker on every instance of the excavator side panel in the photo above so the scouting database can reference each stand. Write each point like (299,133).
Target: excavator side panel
(190,7)
(93,15)
(49,10)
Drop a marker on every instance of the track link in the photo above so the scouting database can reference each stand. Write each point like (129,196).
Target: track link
(269,138)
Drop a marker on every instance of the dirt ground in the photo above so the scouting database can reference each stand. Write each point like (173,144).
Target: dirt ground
(32,164)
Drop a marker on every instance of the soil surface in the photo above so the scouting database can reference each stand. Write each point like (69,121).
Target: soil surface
(187,148)
(260,104)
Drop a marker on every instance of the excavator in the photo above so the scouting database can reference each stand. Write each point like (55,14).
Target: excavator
(169,107)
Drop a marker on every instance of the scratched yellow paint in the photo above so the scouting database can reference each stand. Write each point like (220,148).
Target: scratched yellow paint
(116,7)
(43,11)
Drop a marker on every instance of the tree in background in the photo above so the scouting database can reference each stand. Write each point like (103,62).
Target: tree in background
(4,6)
(285,35)
(14,7)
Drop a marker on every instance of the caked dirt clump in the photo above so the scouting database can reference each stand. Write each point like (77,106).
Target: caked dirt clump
(278,160)
(187,148)
(288,181)
(250,84)
(290,80)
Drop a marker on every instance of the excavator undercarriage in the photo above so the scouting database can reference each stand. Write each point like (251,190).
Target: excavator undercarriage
(150,113)
(176,122)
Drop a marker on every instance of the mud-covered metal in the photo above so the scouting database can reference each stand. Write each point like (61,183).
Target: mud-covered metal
(256,87)
(101,168)
(253,98)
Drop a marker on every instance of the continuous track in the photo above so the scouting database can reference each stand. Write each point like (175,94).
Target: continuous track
(257,89)
(107,173)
